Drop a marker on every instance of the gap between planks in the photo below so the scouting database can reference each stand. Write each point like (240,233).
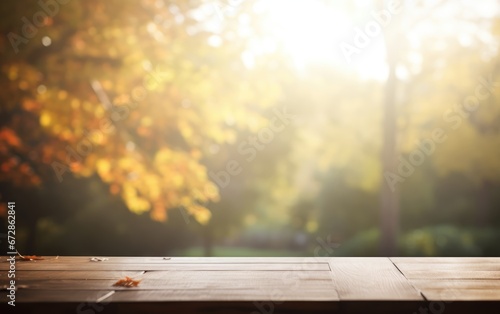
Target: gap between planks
(409,281)
(371,279)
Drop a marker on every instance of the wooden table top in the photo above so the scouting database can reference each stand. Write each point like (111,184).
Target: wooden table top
(255,285)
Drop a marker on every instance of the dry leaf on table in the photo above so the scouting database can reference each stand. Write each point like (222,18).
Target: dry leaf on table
(29,257)
(127,282)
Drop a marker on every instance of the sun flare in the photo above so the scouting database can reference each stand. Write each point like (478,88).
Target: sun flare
(311,33)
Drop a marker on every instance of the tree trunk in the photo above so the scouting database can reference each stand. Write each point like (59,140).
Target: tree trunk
(389,198)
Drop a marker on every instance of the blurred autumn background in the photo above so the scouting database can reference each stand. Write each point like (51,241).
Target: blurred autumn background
(251,127)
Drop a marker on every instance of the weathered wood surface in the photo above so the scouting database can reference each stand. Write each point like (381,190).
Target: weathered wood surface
(453,279)
(256,285)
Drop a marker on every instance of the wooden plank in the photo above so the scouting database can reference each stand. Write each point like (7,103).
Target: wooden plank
(446,260)
(290,277)
(349,283)
(370,279)
(65,284)
(92,290)
(274,295)
(461,295)
(63,295)
(222,285)
(197,287)
(438,283)
(281,260)
(98,274)
(153,284)
(169,266)
(72,274)
(458,289)
(452,279)
(186,260)
(450,274)
(448,266)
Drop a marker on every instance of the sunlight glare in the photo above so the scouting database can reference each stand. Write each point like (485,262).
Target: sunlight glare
(306,29)
(310,32)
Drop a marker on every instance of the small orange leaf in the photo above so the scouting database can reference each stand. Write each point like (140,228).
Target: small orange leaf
(127,282)
(29,257)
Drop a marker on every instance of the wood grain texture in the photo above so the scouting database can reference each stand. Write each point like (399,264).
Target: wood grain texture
(280,281)
(55,296)
(453,295)
(257,285)
(458,290)
(458,267)
(448,268)
(446,260)
(449,274)
(171,266)
(71,274)
(437,283)
(370,279)
(453,279)
(274,295)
